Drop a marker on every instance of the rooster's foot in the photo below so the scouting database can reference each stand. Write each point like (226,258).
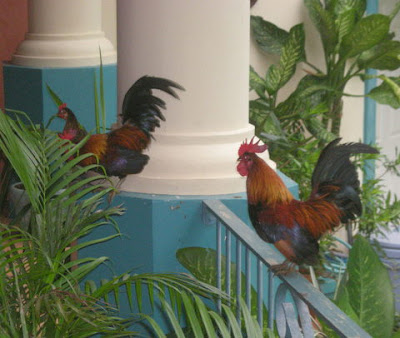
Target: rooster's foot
(283,269)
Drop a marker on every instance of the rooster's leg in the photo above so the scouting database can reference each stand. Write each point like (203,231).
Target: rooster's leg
(283,269)
(114,192)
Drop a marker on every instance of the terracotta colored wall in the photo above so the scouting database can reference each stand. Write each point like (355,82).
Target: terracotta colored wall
(13,26)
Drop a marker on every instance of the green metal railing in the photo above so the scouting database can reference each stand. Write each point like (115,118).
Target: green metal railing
(289,322)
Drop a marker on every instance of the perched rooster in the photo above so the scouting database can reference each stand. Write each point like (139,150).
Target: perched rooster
(120,151)
(293,226)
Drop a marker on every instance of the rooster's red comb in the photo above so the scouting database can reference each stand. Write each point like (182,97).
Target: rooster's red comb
(252,147)
(62,106)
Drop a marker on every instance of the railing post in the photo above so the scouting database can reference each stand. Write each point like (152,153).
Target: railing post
(260,303)
(238,277)
(271,300)
(248,278)
(219,254)
(228,262)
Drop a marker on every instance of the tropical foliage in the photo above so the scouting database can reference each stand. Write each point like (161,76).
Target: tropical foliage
(297,127)
(45,293)
(201,263)
(365,293)
(311,116)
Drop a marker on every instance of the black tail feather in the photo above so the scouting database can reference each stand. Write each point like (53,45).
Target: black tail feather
(334,168)
(141,108)
(334,162)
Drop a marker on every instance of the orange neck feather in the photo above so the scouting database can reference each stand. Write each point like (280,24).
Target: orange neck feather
(265,186)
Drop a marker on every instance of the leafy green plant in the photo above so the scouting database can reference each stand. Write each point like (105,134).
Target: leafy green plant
(351,43)
(365,293)
(381,208)
(311,115)
(43,292)
(298,127)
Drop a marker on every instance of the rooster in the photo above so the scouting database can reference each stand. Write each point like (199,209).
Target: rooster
(120,151)
(293,226)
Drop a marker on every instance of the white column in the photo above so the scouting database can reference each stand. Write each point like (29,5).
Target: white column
(64,34)
(204,46)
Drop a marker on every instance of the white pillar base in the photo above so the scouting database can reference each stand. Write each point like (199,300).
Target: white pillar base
(64,34)
(193,165)
(75,50)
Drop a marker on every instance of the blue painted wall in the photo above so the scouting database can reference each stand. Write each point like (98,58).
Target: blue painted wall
(25,90)
(153,228)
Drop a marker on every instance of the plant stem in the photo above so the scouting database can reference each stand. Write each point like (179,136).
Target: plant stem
(313,67)
(337,113)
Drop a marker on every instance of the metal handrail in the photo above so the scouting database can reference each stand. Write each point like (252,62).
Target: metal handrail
(299,287)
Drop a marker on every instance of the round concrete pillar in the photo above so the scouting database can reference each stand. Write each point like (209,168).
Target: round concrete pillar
(204,46)
(64,34)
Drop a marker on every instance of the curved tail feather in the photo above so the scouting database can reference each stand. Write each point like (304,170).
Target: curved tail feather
(335,177)
(143,109)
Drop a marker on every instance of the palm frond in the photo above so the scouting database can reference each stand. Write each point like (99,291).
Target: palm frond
(41,288)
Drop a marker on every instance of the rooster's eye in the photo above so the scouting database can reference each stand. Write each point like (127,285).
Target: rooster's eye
(247,158)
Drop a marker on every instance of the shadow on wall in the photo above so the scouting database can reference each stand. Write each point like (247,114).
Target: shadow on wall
(13,26)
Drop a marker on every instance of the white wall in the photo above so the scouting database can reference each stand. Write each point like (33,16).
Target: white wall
(286,14)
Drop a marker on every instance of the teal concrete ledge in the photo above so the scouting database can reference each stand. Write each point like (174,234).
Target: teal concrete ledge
(153,228)
(25,90)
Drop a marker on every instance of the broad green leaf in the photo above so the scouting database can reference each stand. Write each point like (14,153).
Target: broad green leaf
(317,129)
(395,11)
(257,83)
(367,33)
(385,56)
(264,119)
(268,36)
(385,93)
(273,79)
(394,86)
(345,23)
(338,7)
(369,290)
(292,52)
(343,303)
(309,96)
(324,21)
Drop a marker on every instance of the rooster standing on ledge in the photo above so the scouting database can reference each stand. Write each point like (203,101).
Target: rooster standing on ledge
(293,226)
(120,151)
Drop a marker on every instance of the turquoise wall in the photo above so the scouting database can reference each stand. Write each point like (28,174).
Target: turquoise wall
(25,90)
